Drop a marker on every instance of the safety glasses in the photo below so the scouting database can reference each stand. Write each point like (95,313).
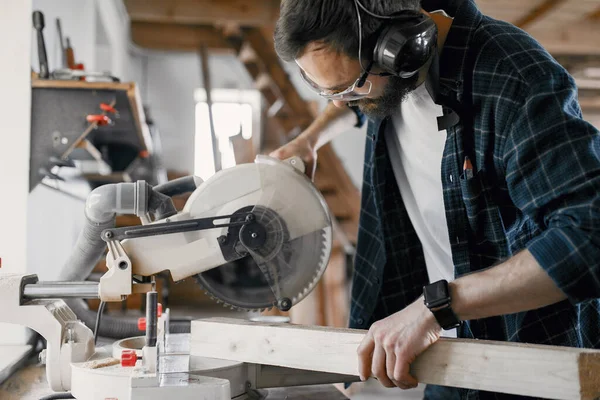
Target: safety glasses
(358,90)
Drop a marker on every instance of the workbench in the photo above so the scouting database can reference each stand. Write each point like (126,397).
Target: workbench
(29,383)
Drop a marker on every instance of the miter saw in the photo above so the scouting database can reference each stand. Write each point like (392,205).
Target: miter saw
(266,216)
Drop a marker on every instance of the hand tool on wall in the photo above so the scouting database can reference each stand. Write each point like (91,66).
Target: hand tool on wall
(63,55)
(38,24)
(69,55)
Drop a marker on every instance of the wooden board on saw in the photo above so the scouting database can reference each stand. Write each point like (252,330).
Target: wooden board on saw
(531,370)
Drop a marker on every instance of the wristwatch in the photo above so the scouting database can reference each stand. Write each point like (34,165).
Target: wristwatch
(437,299)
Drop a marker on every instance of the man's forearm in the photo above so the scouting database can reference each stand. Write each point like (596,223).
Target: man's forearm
(327,125)
(519,284)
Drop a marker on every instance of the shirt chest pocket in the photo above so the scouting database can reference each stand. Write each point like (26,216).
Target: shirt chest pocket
(487,236)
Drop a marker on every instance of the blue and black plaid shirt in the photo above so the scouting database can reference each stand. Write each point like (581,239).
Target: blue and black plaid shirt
(536,186)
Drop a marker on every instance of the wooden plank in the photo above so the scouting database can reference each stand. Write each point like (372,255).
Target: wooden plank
(538,12)
(530,370)
(242,12)
(56,84)
(176,37)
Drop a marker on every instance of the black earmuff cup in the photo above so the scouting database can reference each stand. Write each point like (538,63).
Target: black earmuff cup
(405,46)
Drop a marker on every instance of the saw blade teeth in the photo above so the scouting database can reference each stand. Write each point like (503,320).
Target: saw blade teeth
(324,238)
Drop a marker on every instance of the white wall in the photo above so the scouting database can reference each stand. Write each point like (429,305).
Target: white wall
(15,29)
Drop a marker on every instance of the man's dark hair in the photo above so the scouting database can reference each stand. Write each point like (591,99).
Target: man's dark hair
(333,22)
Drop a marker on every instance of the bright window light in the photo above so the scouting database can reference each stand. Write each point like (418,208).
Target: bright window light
(230,119)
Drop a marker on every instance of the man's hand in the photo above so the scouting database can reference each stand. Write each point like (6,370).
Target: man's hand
(393,343)
(302,148)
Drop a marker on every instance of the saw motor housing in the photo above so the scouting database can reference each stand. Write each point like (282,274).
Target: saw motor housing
(265,220)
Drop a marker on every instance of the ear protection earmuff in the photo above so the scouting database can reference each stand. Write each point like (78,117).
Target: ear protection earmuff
(403,45)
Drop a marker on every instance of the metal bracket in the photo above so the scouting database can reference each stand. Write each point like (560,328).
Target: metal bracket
(117,282)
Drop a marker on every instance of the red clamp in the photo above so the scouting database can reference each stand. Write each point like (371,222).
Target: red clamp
(158,310)
(108,108)
(128,358)
(99,119)
(142,324)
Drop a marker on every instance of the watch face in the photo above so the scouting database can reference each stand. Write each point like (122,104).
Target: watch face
(436,294)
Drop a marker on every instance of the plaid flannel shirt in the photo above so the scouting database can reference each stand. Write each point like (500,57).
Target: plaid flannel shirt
(536,186)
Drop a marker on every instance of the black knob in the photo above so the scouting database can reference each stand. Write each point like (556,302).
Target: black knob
(38,20)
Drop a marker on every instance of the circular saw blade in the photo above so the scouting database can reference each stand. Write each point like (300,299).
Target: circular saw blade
(242,285)
(294,254)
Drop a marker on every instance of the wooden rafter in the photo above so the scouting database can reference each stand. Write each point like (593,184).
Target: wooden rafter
(176,37)
(595,15)
(538,12)
(242,12)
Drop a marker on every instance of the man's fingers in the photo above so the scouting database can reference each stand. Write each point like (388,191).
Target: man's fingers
(379,368)
(365,354)
(390,365)
(402,373)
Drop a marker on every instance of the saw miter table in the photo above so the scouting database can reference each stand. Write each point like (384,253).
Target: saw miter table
(255,236)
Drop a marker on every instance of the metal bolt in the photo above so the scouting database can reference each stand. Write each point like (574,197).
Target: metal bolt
(123,297)
(249,217)
(64,140)
(222,239)
(108,234)
(284,304)
(42,357)
(123,264)
(254,235)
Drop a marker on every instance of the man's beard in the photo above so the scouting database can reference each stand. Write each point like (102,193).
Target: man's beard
(394,93)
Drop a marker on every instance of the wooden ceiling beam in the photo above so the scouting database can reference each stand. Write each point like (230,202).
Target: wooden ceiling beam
(538,12)
(595,15)
(198,12)
(176,37)
(590,103)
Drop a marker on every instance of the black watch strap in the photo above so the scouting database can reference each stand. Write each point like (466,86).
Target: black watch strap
(446,317)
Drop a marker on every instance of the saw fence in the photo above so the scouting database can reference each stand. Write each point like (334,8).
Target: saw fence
(532,370)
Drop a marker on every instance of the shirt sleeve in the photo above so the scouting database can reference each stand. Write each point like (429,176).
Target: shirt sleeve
(552,161)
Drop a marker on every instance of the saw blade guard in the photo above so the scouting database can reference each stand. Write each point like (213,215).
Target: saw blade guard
(289,239)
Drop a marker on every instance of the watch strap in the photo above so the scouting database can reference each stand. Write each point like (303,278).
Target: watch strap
(446,317)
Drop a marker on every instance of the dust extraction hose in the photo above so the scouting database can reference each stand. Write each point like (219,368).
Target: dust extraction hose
(101,208)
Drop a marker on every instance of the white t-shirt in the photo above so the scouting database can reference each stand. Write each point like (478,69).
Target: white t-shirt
(416,146)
